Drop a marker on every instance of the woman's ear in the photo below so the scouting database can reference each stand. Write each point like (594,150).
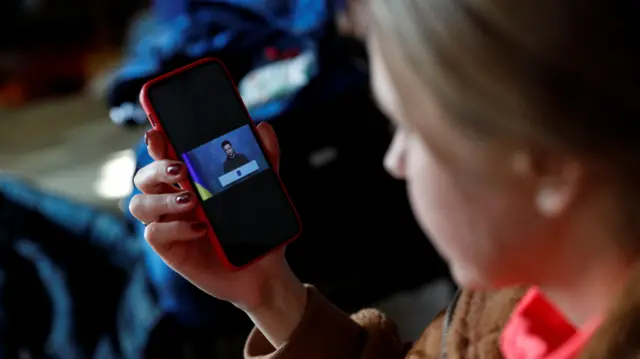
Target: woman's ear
(551,200)
(556,180)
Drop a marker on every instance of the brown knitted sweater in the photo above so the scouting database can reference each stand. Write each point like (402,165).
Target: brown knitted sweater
(470,329)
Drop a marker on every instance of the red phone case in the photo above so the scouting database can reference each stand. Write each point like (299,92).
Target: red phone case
(172,155)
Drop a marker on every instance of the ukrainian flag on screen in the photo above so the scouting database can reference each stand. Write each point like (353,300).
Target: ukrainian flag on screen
(203,192)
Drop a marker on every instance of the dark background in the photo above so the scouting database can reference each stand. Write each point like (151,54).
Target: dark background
(54,47)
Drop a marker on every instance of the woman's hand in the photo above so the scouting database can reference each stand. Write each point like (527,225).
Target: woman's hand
(268,291)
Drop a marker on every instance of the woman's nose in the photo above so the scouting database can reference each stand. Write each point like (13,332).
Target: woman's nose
(395,157)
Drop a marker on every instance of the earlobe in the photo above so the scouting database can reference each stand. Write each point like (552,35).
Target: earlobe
(556,180)
(550,202)
(556,192)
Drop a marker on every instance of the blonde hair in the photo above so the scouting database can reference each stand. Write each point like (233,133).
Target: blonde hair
(562,74)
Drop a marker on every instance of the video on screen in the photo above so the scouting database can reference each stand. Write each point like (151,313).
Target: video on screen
(225,161)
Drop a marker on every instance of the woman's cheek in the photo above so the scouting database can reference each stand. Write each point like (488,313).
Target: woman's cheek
(424,191)
(437,204)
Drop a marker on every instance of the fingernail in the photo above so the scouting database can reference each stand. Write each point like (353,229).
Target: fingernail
(174,170)
(199,227)
(183,198)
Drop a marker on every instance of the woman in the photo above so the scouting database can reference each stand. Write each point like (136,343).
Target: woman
(516,133)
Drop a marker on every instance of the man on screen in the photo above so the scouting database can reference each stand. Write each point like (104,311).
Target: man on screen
(234,160)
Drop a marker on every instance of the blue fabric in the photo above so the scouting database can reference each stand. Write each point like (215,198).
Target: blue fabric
(216,25)
(330,83)
(217,28)
(87,267)
(234,30)
(146,58)
(164,10)
(100,228)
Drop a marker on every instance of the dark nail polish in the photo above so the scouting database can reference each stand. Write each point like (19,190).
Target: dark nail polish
(199,227)
(174,170)
(183,198)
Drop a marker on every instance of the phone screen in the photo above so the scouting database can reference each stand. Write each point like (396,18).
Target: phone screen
(209,128)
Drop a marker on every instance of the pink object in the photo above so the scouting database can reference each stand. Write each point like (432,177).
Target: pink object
(537,330)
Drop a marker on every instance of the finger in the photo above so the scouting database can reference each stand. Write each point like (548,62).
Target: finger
(270,141)
(189,216)
(153,207)
(183,247)
(161,235)
(156,144)
(159,177)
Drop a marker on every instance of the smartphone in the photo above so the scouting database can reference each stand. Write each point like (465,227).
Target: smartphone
(208,128)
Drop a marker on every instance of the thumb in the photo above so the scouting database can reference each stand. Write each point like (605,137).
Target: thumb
(270,142)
